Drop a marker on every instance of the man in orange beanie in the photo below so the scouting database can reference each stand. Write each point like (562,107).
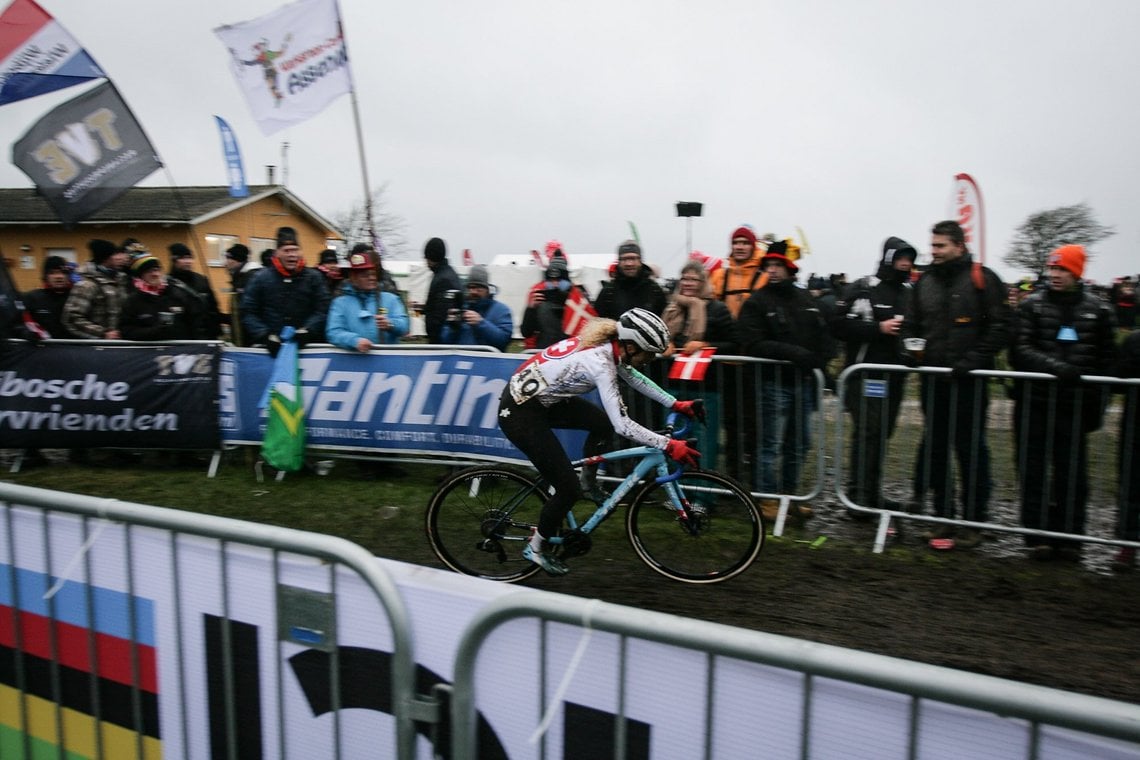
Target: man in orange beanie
(1064,331)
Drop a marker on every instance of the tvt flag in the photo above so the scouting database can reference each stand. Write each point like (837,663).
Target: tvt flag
(290,63)
(37,54)
(235,173)
(85,153)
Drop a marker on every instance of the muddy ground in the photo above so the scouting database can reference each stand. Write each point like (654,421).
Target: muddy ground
(990,610)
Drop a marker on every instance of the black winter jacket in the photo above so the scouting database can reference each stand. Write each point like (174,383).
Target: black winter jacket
(1040,320)
(177,313)
(435,307)
(622,293)
(860,309)
(782,321)
(964,326)
(272,301)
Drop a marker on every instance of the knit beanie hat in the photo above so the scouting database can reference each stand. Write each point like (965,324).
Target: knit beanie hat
(52,263)
(179,251)
(1070,257)
(435,250)
(238,252)
(328,256)
(101,250)
(478,276)
(629,246)
(286,236)
(557,269)
(744,232)
(144,262)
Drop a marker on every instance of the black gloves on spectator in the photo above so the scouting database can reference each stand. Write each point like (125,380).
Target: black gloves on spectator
(805,360)
(961,370)
(302,336)
(273,345)
(1068,374)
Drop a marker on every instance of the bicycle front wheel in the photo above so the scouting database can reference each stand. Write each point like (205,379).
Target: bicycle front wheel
(479,520)
(719,537)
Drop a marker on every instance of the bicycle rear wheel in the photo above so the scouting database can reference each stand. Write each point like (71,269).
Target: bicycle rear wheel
(479,520)
(721,536)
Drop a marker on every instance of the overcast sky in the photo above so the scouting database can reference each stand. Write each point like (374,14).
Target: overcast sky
(499,125)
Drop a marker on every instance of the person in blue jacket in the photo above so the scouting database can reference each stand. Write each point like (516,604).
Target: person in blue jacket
(363,316)
(482,321)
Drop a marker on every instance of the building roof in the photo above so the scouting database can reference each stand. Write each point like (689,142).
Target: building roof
(150,205)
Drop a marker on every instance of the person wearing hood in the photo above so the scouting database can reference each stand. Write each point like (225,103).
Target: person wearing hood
(93,306)
(632,286)
(1066,331)
(482,321)
(783,321)
(363,315)
(962,312)
(43,307)
(867,319)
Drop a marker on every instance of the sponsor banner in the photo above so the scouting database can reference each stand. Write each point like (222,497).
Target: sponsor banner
(75,396)
(85,153)
(427,402)
(290,63)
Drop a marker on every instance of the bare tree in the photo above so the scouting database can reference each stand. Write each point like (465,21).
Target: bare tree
(390,227)
(1045,231)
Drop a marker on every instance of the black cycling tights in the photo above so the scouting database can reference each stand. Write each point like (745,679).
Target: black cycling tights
(530,427)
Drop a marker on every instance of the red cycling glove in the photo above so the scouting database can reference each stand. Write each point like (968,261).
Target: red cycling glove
(694,408)
(681,451)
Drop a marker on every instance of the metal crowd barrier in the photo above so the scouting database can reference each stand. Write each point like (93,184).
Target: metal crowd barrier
(734,396)
(899,714)
(28,678)
(1022,440)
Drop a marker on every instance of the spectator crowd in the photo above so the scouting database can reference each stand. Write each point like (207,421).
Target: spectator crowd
(956,315)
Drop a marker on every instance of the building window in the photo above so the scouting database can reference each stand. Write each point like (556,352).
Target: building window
(216,246)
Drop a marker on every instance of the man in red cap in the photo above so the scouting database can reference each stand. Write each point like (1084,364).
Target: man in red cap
(785,322)
(1068,332)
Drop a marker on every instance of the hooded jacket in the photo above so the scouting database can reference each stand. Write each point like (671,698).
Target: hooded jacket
(871,300)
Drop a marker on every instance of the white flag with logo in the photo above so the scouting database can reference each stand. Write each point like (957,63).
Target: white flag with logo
(290,63)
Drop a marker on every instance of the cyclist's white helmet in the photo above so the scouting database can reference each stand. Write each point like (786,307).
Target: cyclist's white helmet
(645,329)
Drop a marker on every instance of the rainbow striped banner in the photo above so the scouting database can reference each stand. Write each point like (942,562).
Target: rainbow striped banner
(78,670)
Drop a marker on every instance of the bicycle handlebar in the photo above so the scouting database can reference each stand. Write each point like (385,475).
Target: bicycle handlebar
(671,428)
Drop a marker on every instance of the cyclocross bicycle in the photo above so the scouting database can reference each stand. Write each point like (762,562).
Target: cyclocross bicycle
(695,526)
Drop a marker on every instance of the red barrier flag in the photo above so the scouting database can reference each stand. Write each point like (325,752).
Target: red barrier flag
(691,366)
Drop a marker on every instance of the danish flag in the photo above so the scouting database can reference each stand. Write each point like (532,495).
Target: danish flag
(691,366)
(577,312)
(468,259)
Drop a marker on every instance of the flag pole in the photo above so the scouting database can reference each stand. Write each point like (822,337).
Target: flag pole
(359,139)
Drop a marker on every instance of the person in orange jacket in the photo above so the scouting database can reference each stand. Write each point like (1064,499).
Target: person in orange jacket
(743,274)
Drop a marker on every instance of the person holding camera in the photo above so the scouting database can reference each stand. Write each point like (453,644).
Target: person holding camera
(478,319)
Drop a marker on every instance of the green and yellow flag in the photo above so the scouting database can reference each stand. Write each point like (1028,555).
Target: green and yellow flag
(284,445)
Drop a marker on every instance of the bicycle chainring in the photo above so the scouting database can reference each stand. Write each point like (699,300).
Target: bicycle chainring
(574,544)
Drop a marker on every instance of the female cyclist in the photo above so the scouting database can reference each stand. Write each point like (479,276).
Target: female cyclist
(543,394)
